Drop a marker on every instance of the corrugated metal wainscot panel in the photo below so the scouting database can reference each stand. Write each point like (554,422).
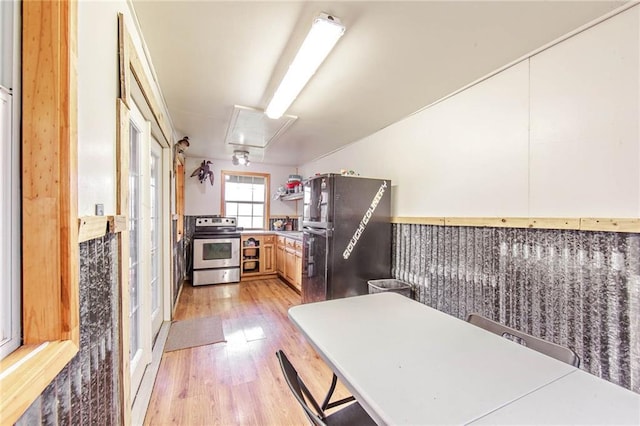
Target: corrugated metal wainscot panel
(86,390)
(576,288)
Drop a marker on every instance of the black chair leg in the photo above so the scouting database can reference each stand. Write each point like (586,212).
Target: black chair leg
(326,404)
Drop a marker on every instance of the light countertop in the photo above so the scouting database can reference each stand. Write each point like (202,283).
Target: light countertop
(296,235)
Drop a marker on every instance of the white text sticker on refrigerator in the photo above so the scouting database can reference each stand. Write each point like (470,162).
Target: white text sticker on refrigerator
(364,221)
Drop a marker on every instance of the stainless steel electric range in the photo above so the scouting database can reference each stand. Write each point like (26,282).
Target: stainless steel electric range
(216,251)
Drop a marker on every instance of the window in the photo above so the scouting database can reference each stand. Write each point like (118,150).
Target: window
(9,191)
(9,280)
(245,196)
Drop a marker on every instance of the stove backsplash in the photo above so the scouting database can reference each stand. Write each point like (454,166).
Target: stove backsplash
(576,288)
(190,224)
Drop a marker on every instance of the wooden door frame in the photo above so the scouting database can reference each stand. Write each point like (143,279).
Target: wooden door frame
(131,66)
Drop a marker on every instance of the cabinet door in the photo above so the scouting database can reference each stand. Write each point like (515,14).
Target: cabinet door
(280,259)
(268,263)
(290,265)
(298,273)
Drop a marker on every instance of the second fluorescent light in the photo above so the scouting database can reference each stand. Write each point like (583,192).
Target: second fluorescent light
(324,34)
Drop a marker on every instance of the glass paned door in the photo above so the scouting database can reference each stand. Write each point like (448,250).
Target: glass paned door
(134,244)
(156,252)
(140,244)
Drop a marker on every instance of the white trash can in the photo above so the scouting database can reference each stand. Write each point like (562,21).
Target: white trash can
(393,285)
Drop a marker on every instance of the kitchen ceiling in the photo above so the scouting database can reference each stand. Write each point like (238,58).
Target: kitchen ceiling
(394,58)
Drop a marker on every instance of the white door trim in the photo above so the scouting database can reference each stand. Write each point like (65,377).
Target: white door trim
(167,164)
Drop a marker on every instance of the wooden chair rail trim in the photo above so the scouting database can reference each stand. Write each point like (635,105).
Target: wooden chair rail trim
(91,227)
(117,223)
(631,225)
(27,372)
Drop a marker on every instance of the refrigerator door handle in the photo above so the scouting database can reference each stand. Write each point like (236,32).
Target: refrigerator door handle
(309,257)
(321,232)
(310,251)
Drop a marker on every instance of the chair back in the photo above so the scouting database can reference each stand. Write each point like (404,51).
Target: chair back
(300,390)
(553,350)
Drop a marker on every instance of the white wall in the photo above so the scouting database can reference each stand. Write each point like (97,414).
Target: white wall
(98,89)
(204,199)
(584,123)
(555,135)
(98,80)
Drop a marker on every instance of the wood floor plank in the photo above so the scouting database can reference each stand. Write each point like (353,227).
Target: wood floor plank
(238,381)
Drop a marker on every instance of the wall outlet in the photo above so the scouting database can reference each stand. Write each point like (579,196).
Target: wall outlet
(99,209)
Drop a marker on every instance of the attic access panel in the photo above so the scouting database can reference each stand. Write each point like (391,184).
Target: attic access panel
(250,127)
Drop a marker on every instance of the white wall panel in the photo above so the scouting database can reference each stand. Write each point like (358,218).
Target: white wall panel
(98,89)
(477,150)
(98,80)
(480,153)
(584,123)
(466,156)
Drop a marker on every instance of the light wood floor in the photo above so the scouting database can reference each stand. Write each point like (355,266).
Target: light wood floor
(238,382)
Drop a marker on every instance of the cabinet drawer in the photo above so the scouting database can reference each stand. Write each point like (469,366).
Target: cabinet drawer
(290,242)
(298,245)
(268,239)
(281,240)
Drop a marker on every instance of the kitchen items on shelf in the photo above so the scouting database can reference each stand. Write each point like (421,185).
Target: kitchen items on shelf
(345,172)
(293,186)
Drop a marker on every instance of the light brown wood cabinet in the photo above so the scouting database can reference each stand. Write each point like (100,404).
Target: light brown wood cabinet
(289,261)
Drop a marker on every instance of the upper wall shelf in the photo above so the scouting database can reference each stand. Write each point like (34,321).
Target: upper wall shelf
(292,197)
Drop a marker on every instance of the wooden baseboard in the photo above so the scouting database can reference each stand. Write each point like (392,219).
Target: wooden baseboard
(257,277)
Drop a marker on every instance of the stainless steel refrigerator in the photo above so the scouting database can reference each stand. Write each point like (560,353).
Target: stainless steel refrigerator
(346,234)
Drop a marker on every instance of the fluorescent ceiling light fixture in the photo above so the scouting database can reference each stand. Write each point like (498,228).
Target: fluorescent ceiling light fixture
(324,34)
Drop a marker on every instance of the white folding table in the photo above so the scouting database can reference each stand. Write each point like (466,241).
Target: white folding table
(578,398)
(408,364)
